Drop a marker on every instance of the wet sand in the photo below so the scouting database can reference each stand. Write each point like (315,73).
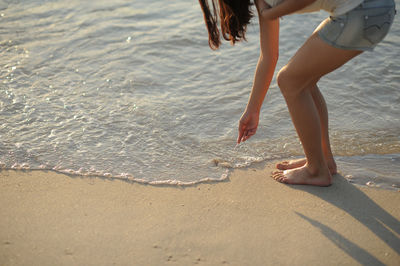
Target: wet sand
(54,219)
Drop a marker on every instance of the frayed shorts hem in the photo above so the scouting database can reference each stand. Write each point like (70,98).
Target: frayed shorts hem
(334,44)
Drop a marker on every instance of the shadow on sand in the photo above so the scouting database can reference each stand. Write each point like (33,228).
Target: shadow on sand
(356,203)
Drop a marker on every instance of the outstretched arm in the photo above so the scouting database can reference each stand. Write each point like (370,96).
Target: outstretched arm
(284,8)
(269,42)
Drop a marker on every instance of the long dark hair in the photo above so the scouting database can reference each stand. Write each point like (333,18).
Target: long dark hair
(234,16)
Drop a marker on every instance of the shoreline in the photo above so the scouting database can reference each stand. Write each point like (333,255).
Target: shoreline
(369,170)
(50,218)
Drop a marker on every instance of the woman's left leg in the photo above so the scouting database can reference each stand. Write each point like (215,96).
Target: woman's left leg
(312,61)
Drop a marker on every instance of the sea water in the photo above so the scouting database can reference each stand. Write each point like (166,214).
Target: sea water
(130,89)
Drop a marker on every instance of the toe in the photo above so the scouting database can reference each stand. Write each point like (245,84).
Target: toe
(281,179)
(284,180)
(276,174)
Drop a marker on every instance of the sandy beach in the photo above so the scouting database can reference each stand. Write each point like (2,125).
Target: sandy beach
(55,219)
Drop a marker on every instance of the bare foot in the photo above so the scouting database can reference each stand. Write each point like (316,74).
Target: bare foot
(292,164)
(286,165)
(302,176)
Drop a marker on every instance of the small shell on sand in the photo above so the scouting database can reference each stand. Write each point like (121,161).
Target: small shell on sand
(370,184)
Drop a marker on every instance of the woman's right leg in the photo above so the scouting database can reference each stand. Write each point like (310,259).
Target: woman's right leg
(312,61)
(320,104)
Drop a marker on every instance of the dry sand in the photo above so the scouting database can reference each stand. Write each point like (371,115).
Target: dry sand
(54,219)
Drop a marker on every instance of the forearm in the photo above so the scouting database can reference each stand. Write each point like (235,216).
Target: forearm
(269,53)
(284,8)
(262,79)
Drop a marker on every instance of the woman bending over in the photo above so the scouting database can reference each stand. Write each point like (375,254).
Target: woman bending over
(353,27)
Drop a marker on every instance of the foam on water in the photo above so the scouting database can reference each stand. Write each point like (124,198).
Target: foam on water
(131,90)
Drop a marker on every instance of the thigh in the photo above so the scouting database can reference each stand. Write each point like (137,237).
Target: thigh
(315,59)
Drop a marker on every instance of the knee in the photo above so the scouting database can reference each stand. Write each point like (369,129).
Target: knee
(282,78)
(285,81)
(292,84)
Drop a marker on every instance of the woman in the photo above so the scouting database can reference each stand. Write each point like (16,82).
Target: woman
(353,27)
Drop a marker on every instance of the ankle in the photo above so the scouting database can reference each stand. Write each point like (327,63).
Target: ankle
(317,169)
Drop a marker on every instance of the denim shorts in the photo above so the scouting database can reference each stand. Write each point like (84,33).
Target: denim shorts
(362,28)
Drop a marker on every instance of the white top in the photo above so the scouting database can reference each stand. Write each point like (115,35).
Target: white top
(335,7)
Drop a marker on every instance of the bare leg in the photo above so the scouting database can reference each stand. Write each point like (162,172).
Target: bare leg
(326,147)
(313,60)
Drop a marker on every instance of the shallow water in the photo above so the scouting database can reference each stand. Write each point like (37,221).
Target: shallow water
(130,89)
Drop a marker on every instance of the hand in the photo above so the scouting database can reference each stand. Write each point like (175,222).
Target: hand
(247,125)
